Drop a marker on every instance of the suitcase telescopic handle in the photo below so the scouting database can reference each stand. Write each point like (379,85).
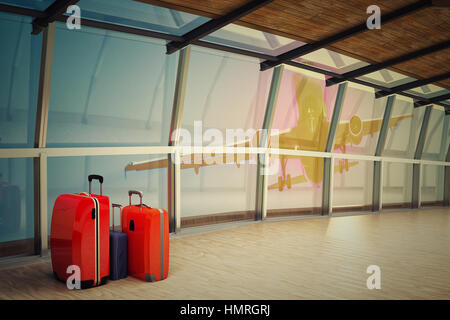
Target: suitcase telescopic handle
(115,205)
(139,193)
(95,177)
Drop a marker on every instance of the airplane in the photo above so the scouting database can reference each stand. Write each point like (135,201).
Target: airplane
(310,133)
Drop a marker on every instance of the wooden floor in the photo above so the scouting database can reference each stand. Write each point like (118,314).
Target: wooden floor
(323,258)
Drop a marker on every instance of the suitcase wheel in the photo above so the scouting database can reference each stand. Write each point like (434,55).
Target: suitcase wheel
(150,277)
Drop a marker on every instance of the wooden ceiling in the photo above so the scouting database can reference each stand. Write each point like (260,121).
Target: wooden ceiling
(312,20)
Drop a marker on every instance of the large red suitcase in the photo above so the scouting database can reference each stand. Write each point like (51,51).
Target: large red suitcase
(80,236)
(148,240)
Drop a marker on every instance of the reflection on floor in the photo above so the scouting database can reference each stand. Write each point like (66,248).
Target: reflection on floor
(299,259)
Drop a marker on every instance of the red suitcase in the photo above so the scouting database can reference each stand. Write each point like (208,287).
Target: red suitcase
(148,240)
(80,236)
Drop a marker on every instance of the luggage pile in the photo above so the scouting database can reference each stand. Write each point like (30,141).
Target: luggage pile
(81,238)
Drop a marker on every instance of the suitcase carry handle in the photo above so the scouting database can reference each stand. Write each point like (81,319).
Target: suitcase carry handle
(115,205)
(139,193)
(95,177)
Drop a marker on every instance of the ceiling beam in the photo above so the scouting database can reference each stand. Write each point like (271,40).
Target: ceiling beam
(385,64)
(441,4)
(55,10)
(214,25)
(310,47)
(432,100)
(412,85)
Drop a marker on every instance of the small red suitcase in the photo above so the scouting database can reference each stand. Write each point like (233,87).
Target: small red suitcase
(148,240)
(80,236)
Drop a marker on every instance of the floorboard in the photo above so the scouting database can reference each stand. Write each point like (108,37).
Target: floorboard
(322,258)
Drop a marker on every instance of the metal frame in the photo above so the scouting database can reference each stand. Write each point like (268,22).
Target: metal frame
(40,138)
(412,85)
(215,24)
(263,159)
(390,62)
(417,167)
(174,163)
(377,192)
(328,163)
(56,9)
(310,47)
(434,100)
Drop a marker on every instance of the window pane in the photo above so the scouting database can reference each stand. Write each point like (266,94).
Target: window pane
(397,185)
(332,61)
(360,121)
(250,39)
(220,192)
(401,140)
(119,92)
(16,207)
(353,184)
(303,110)
(296,190)
(432,185)
(386,78)
(19,76)
(435,146)
(429,91)
(140,15)
(224,92)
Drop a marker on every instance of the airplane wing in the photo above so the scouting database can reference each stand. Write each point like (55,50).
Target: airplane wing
(351,132)
(344,165)
(295,180)
(342,135)
(148,164)
(394,121)
(371,126)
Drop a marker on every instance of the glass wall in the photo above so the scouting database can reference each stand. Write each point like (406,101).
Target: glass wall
(119,92)
(19,76)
